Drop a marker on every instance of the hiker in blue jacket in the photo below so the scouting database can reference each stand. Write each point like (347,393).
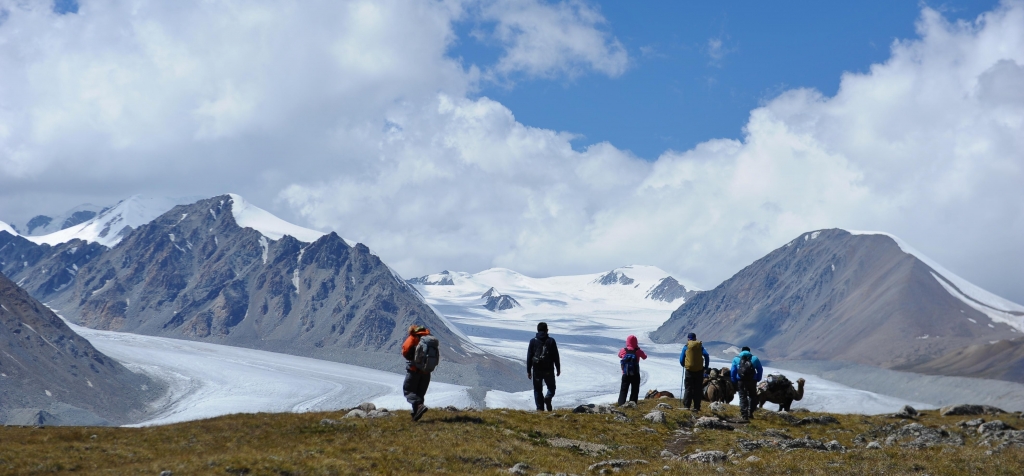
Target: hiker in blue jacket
(695,361)
(746,372)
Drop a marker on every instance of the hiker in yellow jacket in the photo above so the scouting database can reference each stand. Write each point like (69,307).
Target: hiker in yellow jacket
(695,360)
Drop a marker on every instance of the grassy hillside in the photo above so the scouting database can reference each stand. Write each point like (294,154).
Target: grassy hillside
(493,441)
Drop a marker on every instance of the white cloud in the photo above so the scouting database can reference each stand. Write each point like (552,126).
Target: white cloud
(354,117)
(547,40)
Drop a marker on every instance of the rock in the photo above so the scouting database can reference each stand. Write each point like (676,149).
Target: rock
(621,418)
(328,422)
(356,413)
(381,413)
(582,446)
(663,406)
(667,454)
(995,425)
(712,423)
(803,443)
(629,404)
(367,407)
(519,468)
(780,434)
(615,463)
(707,457)
(963,409)
(588,408)
(874,445)
(753,459)
(922,437)
(834,446)
(800,410)
(718,406)
(971,423)
(656,416)
(906,412)
(821,420)
(166,473)
(648,430)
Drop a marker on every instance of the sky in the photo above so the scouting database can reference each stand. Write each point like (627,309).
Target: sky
(547,137)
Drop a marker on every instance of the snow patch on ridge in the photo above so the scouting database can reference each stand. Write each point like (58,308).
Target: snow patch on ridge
(248,215)
(997,308)
(109,227)
(7,228)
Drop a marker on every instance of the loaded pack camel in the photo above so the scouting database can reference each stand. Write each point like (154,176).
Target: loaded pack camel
(784,395)
(718,386)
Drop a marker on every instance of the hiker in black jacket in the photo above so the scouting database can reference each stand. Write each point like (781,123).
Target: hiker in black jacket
(542,365)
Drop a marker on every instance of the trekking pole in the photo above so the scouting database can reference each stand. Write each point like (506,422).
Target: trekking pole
(681,378)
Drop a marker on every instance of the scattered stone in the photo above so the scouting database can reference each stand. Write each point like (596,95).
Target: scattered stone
(953,410)
(615,463)
(971,423)
(166,473)
(93,437)
(834,446)
(667,454)
(519,468)
(583,446)
(803,443)
(656,416)
(356,413)
(648,430)
(799,410)
(874,445)
(328,422)
(707,457)
(906,412)
(751,445)
(753,459)
(663,406)
(923,437)
(774,433)
(821,420)
(379,413)
(629,404)
(713,423)
(367,407)
(1004,438)
(718,406)
(995,425)
(621,418)
(450,408)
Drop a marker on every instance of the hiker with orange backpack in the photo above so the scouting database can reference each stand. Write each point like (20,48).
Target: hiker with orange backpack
(421,350)
(629,361)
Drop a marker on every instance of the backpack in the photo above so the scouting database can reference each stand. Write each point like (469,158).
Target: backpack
(776,381)
(746,369)
(695,356)
(427,356)
(630,366)
(541,353)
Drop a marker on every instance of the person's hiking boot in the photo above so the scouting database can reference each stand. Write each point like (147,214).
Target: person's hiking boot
(547,403)
(419,413)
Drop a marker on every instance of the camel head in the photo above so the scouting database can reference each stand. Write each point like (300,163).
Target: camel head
(799,389)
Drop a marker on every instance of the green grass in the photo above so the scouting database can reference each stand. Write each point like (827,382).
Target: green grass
(486,442)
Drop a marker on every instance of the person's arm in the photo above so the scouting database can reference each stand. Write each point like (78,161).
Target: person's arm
(407,347)
(622,352)
(732,372)
(558,361)
(682,356)
(757,366)
(529,358)
(707,360)
(640,353)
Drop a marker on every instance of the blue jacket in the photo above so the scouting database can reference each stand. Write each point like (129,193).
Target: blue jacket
(707,358)
(735,372)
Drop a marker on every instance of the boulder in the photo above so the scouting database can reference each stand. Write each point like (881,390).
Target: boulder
(712,423)
(615,463)
(718,406)
(656,416)
(906,412)
(663,406)
(519,468)
(964,409)
(356,413)
(995,425)
(630,404)
(874,445)
(367,407)
(707,457)
(971,423)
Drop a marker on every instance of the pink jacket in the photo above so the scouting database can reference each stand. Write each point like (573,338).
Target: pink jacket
(632,345)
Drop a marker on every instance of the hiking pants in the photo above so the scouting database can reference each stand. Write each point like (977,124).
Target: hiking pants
(692,382)
(538,382)
(627,382)
(415,387)
(748,397)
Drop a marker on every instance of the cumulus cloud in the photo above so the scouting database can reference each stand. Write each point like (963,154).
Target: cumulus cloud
(352,116)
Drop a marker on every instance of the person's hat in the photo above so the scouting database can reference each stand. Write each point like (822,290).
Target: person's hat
(692,336)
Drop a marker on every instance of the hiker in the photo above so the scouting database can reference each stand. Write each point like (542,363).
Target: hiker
(543,365)
(746,372)
(421,350)
(630,365)
(695,360)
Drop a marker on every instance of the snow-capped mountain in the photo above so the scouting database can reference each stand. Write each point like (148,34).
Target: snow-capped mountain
(836,295)
(110,225)
(44,224)
(223,270)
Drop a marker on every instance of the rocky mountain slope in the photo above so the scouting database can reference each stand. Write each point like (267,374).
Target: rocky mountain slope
(195,273)
(833,295)
(49,374)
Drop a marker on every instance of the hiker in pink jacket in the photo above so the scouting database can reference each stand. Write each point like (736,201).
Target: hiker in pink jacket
(629,360)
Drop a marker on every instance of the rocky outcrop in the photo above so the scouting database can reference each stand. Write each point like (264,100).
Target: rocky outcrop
(669,290)
(831,295)
(444,278)
(495,301)
(43,270)
(614,277)
(49,375)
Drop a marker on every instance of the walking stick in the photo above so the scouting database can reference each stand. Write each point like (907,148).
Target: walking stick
(681,378)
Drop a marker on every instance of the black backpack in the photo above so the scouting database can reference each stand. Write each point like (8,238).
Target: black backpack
(541,353)
(630,366)
(746,368)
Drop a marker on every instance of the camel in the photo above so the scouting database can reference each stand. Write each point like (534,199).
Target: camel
(718,386)
(783,396)
(653,394)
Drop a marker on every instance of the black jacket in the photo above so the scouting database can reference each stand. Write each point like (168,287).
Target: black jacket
(545,368)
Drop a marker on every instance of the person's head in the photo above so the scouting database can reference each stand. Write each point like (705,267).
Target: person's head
(413,329)
(691,336)
(631,342)
(745,349)
(542,327)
